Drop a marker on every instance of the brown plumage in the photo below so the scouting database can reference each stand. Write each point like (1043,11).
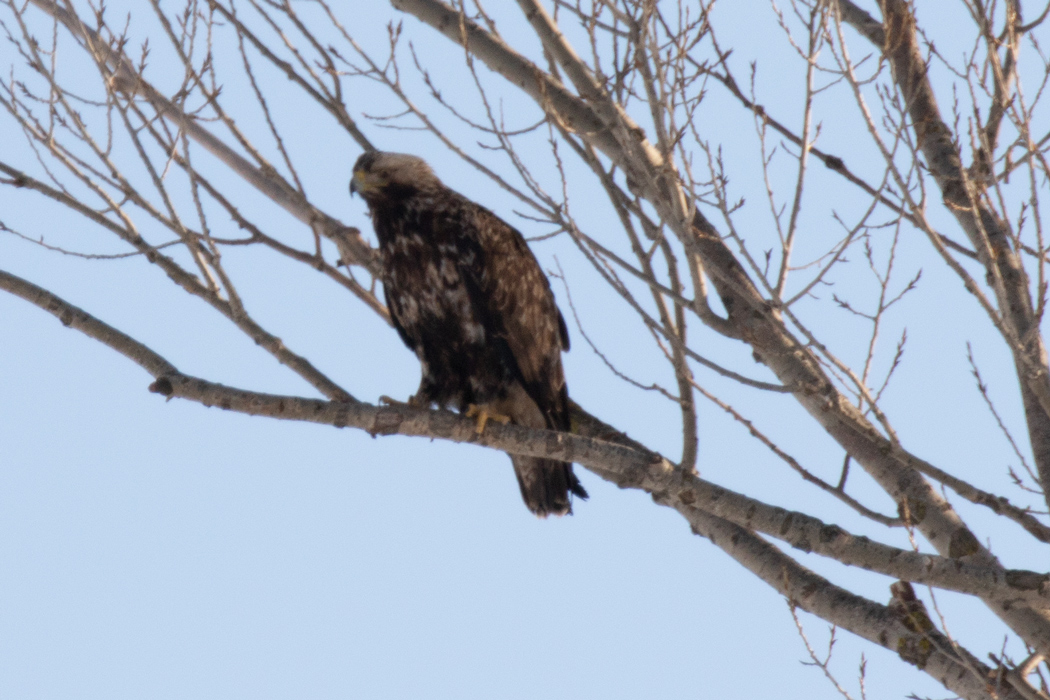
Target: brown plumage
(467,295)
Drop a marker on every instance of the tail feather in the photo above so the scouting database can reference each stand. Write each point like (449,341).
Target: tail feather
(547,485)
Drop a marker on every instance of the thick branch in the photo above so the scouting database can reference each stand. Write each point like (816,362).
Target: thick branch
(601,448)
(73,317)
(811,535)
(955,668)
(597,446)
(869,27)
(986,230)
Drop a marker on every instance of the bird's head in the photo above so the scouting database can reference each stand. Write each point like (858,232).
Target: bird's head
(382,176)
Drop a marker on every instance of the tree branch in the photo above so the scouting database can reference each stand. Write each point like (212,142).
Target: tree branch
(987,232)
(760,325)
(125,78)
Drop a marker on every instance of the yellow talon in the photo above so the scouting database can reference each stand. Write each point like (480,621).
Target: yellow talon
(484,417)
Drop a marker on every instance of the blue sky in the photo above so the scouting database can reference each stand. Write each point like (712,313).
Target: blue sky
(160,549)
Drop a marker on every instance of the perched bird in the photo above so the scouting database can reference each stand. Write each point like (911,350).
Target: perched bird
(468,297)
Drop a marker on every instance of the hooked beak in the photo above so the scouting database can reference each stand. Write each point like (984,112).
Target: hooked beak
(365,183)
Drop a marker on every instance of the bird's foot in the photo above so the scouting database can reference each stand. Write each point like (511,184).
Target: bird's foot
(413,402)
(484,416)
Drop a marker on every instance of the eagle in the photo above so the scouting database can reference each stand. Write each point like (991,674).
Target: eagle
(467,295)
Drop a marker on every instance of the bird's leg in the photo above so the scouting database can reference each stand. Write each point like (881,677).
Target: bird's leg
(484,415)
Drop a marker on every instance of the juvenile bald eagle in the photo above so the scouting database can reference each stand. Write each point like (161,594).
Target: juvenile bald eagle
(467,295)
